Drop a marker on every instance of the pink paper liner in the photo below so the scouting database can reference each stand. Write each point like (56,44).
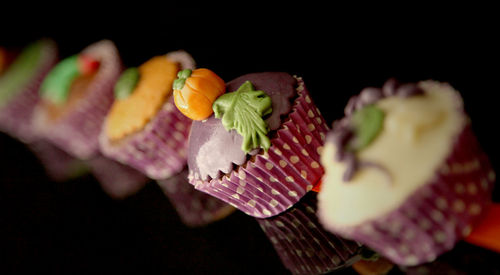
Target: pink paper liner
(302,244)
(160,149)
(438,214)
(77,133)
(117,180)
(59,165)
(272,182)
(16,115)
(195,208)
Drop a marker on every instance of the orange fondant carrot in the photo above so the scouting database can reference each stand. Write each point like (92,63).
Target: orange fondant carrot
(487,233)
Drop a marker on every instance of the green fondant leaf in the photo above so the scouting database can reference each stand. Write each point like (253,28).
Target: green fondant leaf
(181,79)
(57,84)
(367,123)
(126,83)
(20,71)
(242,111)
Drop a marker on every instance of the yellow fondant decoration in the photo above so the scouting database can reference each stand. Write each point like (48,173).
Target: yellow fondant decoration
(131,114)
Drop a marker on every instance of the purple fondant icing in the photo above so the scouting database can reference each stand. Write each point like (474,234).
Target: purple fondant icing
(213,150)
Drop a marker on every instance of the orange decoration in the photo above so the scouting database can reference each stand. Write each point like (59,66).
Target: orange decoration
(487,233)
(199,92)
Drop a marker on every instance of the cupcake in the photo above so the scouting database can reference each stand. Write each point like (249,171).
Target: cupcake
(302,244)
(143,129)
(259,150)
(404,174)
(20,79)
(76,96)
(193,207)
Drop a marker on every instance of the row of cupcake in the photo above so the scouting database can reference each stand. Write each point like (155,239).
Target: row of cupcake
(401,174)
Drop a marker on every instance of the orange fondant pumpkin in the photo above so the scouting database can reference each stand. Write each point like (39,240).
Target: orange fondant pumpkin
(195,98)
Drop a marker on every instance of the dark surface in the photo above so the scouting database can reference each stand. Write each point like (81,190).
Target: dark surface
(73,227)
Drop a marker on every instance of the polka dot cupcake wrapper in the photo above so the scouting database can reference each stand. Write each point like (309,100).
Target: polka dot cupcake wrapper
(437,215)
(59,165)
(194,208)
(117,180)
(272,182)
(16,115)
(303,246)
(159,151)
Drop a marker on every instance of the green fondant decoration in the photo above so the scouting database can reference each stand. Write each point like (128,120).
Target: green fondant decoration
(57,84)
(243,110)
(20,72)
(181,79)
(126,83)
(367,123)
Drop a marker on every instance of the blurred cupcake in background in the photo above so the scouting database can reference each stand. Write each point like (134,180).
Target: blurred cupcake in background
(405,174)
(75,98)
(143,129)
(20,79)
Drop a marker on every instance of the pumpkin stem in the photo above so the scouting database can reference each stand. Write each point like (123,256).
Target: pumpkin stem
(181,79)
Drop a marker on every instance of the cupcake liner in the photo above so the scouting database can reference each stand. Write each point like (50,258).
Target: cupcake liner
(438,214)
(160,149)
(16,115)
(59,165)
(77,133)
(195,208)
(303,246)
(271,182)
(117,180)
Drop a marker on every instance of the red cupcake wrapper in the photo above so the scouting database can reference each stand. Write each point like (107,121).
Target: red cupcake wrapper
(195,208)
(160,149)
(16,115)
(438,214)
(77,133)
(59,165)
(117,180)
(272,182)
(302,244)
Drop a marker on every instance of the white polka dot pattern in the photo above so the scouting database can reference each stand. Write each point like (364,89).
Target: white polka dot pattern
(302,244)
(279,178)
(437,215)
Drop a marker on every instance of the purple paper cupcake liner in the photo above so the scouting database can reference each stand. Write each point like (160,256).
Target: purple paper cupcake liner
(16,115)
(77,133)
(160,149)
(272,182)
(195,208)
(302,244)
(58,165)
(117,180)
(438,214)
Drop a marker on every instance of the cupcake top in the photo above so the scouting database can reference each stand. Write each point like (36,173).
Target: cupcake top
(391,142)
(213,149)
(73,79)
(15,72)
(141,92)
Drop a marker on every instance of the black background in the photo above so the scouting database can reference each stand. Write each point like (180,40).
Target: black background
(73,227)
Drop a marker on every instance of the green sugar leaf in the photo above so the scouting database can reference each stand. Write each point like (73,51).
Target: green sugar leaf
(126,83)
(57,84)
(21,71)
(242,111)
(181,79)
(367,123)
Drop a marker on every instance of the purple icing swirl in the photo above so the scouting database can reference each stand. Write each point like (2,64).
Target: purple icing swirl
(343,132)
